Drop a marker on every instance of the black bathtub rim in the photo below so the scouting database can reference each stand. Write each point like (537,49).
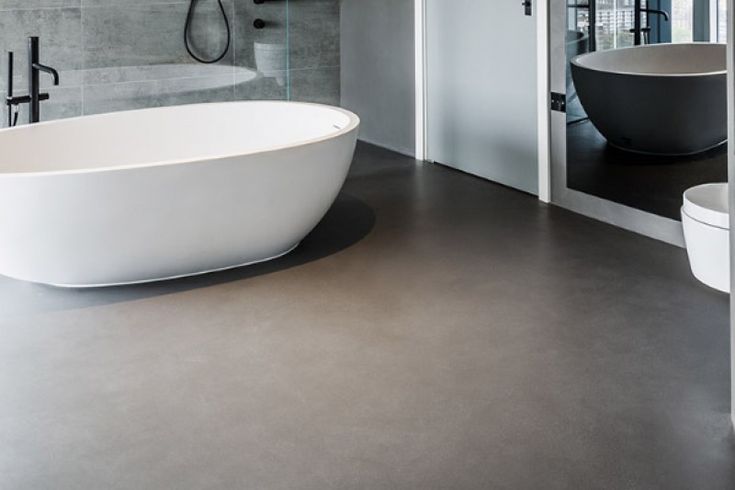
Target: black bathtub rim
(576,62)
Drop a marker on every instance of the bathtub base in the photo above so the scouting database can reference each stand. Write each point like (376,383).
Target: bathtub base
(179,276)
(659,154)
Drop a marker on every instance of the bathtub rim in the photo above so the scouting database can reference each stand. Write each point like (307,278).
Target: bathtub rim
(575,61)
(352,125)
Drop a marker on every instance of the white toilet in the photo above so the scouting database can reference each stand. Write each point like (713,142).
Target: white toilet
(706,224)
(271,59)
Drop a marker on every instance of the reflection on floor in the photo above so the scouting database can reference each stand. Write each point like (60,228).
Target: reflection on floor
(435,331)
(650,183)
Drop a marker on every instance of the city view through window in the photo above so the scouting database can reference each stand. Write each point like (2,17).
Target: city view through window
(615,20)
(682,21)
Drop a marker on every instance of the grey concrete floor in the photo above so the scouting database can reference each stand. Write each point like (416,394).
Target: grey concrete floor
(435,331)
(648,182)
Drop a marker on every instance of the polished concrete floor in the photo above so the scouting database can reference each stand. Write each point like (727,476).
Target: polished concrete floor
(435,331)
(651,183)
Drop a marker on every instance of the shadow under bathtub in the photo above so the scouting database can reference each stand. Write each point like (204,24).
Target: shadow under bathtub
(347,222)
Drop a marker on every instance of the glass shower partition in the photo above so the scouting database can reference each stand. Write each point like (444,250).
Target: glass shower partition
(151,55)
(128,54)
(116,55)
(261,52)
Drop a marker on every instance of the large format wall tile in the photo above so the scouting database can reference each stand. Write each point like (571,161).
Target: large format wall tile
(263,88)
(319,85)
(313,27)
(98,3)
(149,34)
(37,4)
(61,42)
(157,93)
(126,54)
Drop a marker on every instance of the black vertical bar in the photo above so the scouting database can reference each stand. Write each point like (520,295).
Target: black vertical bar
(34,114)
(10,87)
(10,73)
(593,25)
(637,22)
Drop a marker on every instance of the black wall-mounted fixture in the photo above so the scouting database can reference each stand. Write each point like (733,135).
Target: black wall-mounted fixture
(187,29)
(259,23)
(527,7)
(34,97)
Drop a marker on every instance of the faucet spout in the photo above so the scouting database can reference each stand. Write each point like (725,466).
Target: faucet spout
(662,13)
(49,70)
(638,29)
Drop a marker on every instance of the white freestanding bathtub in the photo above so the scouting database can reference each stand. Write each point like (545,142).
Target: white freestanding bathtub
(157,194)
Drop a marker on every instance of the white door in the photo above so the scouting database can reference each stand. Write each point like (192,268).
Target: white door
(481,89)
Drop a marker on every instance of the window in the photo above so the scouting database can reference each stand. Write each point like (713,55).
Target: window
(682,21)
(721,24)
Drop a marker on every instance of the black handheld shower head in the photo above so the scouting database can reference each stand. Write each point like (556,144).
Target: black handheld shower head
(187,29)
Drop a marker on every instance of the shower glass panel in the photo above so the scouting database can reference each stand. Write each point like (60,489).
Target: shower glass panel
(135,55)
(130,54)
(262,53)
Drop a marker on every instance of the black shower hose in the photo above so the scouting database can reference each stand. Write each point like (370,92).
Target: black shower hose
(187,27)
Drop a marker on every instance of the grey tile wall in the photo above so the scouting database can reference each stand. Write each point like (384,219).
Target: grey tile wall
(127,54)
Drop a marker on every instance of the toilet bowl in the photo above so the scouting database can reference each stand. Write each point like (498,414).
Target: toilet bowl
(706,223)
(271,59)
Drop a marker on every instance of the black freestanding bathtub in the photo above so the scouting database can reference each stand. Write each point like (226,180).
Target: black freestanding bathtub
(664,99)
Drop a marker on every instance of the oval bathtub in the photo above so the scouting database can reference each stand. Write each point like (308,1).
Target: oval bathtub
(162,193)
(664,99)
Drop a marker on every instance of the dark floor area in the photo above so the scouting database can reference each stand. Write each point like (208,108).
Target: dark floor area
(650,183)
(435,331)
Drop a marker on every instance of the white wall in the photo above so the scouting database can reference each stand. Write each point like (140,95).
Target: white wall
(377,64)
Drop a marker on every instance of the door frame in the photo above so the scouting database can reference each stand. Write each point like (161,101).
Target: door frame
(552,174)
(543,122)
(731,176)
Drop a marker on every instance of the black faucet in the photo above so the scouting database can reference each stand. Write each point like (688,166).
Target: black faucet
(638,29)
(34,97)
